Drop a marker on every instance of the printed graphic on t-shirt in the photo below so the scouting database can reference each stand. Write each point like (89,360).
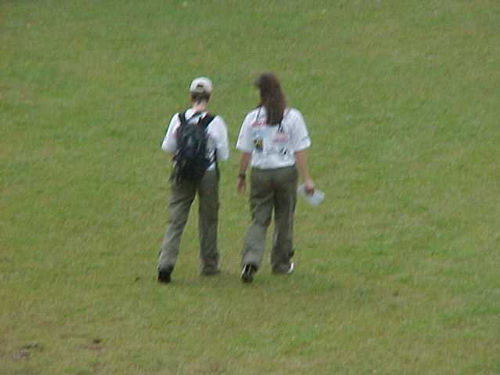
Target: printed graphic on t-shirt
(258,134)
(270,140)
(258,143)
(280,142)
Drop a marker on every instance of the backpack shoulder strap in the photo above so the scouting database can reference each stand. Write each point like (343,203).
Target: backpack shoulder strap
(182,117)
(205,121)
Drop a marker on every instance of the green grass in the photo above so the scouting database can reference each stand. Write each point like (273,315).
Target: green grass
(397,272)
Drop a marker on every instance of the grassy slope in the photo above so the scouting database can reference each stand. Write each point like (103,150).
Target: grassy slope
(397,271)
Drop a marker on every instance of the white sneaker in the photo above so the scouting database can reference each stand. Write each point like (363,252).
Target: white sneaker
(247,273)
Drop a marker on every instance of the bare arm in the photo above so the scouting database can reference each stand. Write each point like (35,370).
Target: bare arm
(240,181)
(301,163)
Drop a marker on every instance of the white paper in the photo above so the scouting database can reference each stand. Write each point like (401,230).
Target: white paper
(313,199)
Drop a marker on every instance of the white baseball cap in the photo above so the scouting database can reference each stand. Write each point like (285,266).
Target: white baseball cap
(201,85)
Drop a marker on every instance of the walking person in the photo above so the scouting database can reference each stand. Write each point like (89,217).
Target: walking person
(197,140)
(273,139)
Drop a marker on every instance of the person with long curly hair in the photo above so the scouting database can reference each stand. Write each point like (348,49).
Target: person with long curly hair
(273,140)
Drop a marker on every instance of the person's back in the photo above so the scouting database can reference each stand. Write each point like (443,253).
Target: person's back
(273,145)
(273,139)
(191,160)
(188,181)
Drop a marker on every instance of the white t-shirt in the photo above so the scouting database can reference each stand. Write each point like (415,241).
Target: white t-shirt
(216,132)
(273,146)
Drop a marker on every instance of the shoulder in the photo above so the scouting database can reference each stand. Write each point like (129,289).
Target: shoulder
(253,113)
(252,116)
(293,116)
(217,120)
(217,127)
(175,120)
(293,113)
(176,116)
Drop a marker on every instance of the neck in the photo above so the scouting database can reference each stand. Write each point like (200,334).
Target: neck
(199,106)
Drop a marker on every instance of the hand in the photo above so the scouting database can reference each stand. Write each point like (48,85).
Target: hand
(309,186)
(240,185)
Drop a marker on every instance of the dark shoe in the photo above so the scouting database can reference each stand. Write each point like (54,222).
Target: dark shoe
(247,273)
(164,275)
(285,271)
(210,272)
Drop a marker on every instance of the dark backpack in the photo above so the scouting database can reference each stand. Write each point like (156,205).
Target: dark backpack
(190,159)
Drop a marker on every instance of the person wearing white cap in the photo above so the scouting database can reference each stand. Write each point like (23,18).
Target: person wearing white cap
(273,139)
(184,190)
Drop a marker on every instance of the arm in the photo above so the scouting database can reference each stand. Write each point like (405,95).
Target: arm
(245,146)
(169,143)
(240,180)
(222,148)
(301,142)
(301,163)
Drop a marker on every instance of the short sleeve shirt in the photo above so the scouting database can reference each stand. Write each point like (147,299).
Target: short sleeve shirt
(273,146)
(216,132)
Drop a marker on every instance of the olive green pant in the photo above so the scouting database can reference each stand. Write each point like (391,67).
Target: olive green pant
(271,189)
(182,195)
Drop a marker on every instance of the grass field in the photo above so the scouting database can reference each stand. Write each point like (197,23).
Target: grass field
(398,272)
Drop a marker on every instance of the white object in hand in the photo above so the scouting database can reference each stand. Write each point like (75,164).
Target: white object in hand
(313,199)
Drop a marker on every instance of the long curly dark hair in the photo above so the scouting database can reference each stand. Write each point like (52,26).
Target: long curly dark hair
(271,97)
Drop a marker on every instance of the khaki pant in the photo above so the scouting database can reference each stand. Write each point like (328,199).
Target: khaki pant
(181,198)
(271,189)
